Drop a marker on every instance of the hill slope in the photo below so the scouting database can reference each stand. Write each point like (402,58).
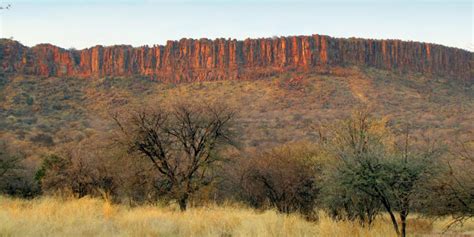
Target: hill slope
(38,114)
(50,96)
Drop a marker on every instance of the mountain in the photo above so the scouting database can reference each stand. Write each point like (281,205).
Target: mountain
(204,59)
(289,87)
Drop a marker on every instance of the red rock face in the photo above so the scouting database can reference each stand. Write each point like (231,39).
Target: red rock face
(198,60)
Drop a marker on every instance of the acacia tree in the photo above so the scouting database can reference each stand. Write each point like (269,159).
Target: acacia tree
(376,169)
(181,142)
(350,203)
(407,172)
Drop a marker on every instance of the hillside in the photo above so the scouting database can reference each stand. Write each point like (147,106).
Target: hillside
(273,110)
(286,89)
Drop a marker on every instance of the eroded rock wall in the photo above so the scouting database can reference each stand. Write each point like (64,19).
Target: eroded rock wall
(198,60)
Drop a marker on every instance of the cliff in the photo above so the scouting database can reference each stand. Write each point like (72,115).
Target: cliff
(196,60)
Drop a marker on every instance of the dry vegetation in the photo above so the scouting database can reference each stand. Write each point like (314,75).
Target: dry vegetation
(38,114)
(95,217)
(288,149)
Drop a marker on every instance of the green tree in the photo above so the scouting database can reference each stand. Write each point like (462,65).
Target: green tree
(375,167)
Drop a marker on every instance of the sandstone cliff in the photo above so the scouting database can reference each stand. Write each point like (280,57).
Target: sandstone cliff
(195,60)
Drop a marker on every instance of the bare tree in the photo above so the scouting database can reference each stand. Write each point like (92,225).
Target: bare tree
(287,177)
(453,190)
(181,142)
(79,169)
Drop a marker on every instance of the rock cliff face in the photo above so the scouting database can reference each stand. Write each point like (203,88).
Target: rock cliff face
(197,60)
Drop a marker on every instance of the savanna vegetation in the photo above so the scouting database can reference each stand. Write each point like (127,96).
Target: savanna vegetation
(266,158)
(96,217)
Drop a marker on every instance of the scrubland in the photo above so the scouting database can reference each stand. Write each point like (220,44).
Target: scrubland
(292,155)
(39,114)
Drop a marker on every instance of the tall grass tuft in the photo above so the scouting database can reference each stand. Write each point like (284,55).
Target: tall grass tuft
(49,216)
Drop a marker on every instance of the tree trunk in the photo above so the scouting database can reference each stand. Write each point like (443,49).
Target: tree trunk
(389,209)
(405,209)
(392,216)
(394,222)
(183,202)
(403,218)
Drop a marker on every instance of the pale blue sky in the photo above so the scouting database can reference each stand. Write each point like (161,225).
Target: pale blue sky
(85,23)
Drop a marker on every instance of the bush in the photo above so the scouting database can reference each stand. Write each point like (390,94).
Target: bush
(15,177)
(96,167)
(77,169)
(451,190)
(43,139)
(287,178)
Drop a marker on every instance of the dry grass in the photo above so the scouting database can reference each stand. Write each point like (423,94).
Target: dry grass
(94,217)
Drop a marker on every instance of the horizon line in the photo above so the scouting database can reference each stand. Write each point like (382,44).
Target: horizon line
(471,50)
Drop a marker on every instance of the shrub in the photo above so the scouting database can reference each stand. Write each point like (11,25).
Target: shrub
(450,192)
(15,178)
(79,169)
(43,139)
(287,177)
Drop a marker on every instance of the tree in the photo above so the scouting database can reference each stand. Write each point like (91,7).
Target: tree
(407,172)
(353,142)
(373,165)
(343,202)
(79,169)
(287,177)
(452,191)
(181,142)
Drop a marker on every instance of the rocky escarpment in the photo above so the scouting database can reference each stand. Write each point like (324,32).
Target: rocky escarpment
(204,59)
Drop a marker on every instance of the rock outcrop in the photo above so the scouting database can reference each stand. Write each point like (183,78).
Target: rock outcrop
(204,59)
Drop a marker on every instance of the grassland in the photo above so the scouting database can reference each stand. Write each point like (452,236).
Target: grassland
(49,216)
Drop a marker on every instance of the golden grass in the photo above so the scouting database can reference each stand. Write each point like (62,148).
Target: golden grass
(94,217)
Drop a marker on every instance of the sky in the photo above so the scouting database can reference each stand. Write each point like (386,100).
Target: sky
(85,23)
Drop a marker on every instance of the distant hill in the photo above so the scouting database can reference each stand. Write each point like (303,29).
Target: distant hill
(204,59)
(288,87)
